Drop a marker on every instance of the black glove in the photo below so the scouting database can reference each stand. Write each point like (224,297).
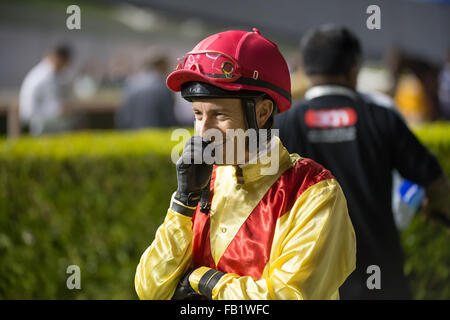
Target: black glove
(192,177)
(184,290)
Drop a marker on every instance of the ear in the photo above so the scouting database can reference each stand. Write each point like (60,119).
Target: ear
(264,109)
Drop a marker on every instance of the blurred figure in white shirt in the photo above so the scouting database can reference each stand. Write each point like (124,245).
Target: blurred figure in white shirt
(40,102)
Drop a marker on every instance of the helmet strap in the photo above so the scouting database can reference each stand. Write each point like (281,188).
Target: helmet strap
(249,108)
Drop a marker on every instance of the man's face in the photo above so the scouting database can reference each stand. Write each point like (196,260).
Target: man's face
(59,63)
(218,115)
(221,114)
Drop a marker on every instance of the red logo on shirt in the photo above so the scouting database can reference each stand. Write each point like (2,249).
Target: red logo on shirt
(330,118)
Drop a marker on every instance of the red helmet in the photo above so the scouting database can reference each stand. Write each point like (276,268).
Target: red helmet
(235,61)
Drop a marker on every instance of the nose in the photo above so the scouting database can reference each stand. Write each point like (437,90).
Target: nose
(208,130)
(202,126)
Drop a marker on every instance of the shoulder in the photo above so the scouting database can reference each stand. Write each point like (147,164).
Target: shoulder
(309,171)
(381,102)
(37,76)
(290,121)
(383,112)
(378,99)
(306,187)
(296,108)
(303,174)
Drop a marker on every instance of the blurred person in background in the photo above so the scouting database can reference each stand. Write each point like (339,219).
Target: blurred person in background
(361,139)
(118,68)
(41,95)
(147,100)
(183,112)
(414,86)
(444,89)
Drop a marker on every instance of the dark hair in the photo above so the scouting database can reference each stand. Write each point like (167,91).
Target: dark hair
(62,51)
(330,50)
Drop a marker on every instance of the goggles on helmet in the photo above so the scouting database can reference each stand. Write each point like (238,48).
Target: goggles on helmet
(212,64)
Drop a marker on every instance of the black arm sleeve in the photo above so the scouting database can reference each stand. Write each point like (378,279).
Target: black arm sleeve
(410,157)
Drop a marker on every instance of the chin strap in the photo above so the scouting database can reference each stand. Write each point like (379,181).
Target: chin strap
(249,108)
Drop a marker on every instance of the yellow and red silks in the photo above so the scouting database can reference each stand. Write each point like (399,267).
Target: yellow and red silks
(284,236)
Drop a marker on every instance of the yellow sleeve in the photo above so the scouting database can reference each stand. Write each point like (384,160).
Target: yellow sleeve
(313,252)
(168,257)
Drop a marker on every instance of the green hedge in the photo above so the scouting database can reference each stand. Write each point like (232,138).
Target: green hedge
(90,199)
(426,244)
(95,199)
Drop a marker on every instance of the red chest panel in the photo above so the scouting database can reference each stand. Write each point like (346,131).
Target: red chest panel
(249,251)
